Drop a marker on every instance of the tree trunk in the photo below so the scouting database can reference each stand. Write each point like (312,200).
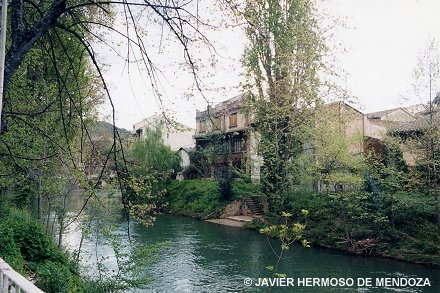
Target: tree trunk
(49,210)
(437,211)
(61,230)
(392,212)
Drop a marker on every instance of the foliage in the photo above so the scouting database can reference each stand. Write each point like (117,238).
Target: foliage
(287,233)
(202,198)
(53,278)
(154,166)
(150,154)
(26,248)
(129,270)
(282,61)
(344,220)
(45,107)
(388,174)
(241,189)
(199,164)
(334,151)
(198,198)
(426,143)
(50,102)
(225,186)
(9,251)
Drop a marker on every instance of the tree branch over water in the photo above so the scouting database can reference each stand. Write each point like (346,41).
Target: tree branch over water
(65,33)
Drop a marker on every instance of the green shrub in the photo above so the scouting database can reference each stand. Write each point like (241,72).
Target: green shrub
(198,198)
(242,189)
(23,241)
(9,251)
(225,186)
(413,208)
(413,236)
(34,244)
(201,198)
(99,286)
(55,278)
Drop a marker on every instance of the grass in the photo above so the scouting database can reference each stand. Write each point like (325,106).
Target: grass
(201,198)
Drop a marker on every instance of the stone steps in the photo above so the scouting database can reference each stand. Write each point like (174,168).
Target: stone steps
(254,206)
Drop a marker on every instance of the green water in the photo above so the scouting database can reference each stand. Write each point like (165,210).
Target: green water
(206,257)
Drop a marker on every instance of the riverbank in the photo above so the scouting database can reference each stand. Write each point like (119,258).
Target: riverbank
(345,222)
(404,229)
(233,221)
(201,199)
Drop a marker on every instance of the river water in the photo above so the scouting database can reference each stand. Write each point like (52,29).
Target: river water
(206,257)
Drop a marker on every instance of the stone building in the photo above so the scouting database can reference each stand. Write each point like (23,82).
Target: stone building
(399,122)
(223,132)
(174,134)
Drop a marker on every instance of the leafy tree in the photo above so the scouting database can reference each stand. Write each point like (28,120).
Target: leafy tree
(426,140)
(333,156)
(282,60)
(388,174)
(151,153)
(45,108)
(59,25)
(199,163)
(41,154)
(288,232)
(154,165)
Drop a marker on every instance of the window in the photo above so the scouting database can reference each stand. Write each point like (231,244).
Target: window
(232,120)
(202,126)
(237,144)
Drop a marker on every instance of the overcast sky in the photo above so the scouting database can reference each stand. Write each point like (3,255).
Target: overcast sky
(382,42)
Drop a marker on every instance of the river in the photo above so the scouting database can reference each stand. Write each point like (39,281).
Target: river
(206,257)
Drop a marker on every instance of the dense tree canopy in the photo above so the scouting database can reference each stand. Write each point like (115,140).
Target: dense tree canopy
(282,61)
(54,80)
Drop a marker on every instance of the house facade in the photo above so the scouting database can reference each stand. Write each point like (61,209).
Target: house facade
(174,134)
(223,133)
(399,122)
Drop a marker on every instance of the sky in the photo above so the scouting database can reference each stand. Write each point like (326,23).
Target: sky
(380,46)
